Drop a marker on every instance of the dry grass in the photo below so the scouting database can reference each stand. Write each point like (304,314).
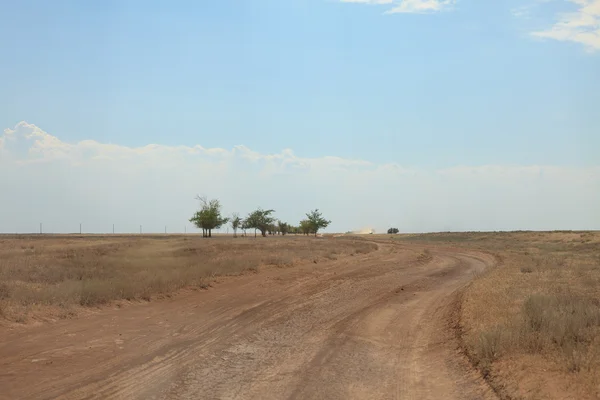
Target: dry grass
(532,324)
(47,277)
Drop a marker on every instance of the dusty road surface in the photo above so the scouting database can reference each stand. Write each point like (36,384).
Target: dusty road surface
(372,326)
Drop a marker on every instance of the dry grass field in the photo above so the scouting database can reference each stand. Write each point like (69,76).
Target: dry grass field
(335,318)
(54,277)
(532,323)
(525,307)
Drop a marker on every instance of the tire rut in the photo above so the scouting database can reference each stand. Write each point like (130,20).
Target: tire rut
(369,326)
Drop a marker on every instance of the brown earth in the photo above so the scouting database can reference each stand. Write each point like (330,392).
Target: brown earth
(367,326)
(532,325)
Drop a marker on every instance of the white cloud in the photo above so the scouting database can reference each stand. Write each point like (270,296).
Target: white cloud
(581,26)
(409,6)
(44,179)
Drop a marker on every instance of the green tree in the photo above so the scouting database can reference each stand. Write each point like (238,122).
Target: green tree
(305,227)
(260,219)
(209,216)
(393,231)
(316,221)
(283,227)
(236,223)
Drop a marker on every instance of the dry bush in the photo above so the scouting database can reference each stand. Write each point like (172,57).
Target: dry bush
(53,272)
(564,320)
(362,247)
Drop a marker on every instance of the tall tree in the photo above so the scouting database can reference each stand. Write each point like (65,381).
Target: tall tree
(209,216)
(260,219)
(236,223)
(316,221)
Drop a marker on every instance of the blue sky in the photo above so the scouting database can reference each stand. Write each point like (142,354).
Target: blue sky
(422,84)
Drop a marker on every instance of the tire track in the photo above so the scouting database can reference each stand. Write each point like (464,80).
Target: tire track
(368,326)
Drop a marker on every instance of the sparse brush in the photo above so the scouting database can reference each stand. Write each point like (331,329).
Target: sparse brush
(542,305)
(489,345)
(38,272)
(565,319)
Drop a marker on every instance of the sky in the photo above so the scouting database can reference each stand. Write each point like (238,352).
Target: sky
(426,115)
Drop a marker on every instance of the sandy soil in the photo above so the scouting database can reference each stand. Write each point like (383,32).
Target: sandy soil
(372,326)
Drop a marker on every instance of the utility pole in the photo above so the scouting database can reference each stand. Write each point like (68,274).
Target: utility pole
(40,228)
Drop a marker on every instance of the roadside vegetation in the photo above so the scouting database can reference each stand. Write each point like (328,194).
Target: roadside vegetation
(52,277)
(531,325)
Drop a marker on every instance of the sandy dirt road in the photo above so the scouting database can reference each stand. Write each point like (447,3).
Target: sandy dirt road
(373,326)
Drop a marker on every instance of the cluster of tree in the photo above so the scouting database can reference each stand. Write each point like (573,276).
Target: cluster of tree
(393,231)
(209,217)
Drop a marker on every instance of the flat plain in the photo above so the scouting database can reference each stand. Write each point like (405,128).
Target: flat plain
(452,315)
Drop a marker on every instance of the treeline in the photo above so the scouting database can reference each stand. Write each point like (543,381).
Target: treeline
(210,217)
